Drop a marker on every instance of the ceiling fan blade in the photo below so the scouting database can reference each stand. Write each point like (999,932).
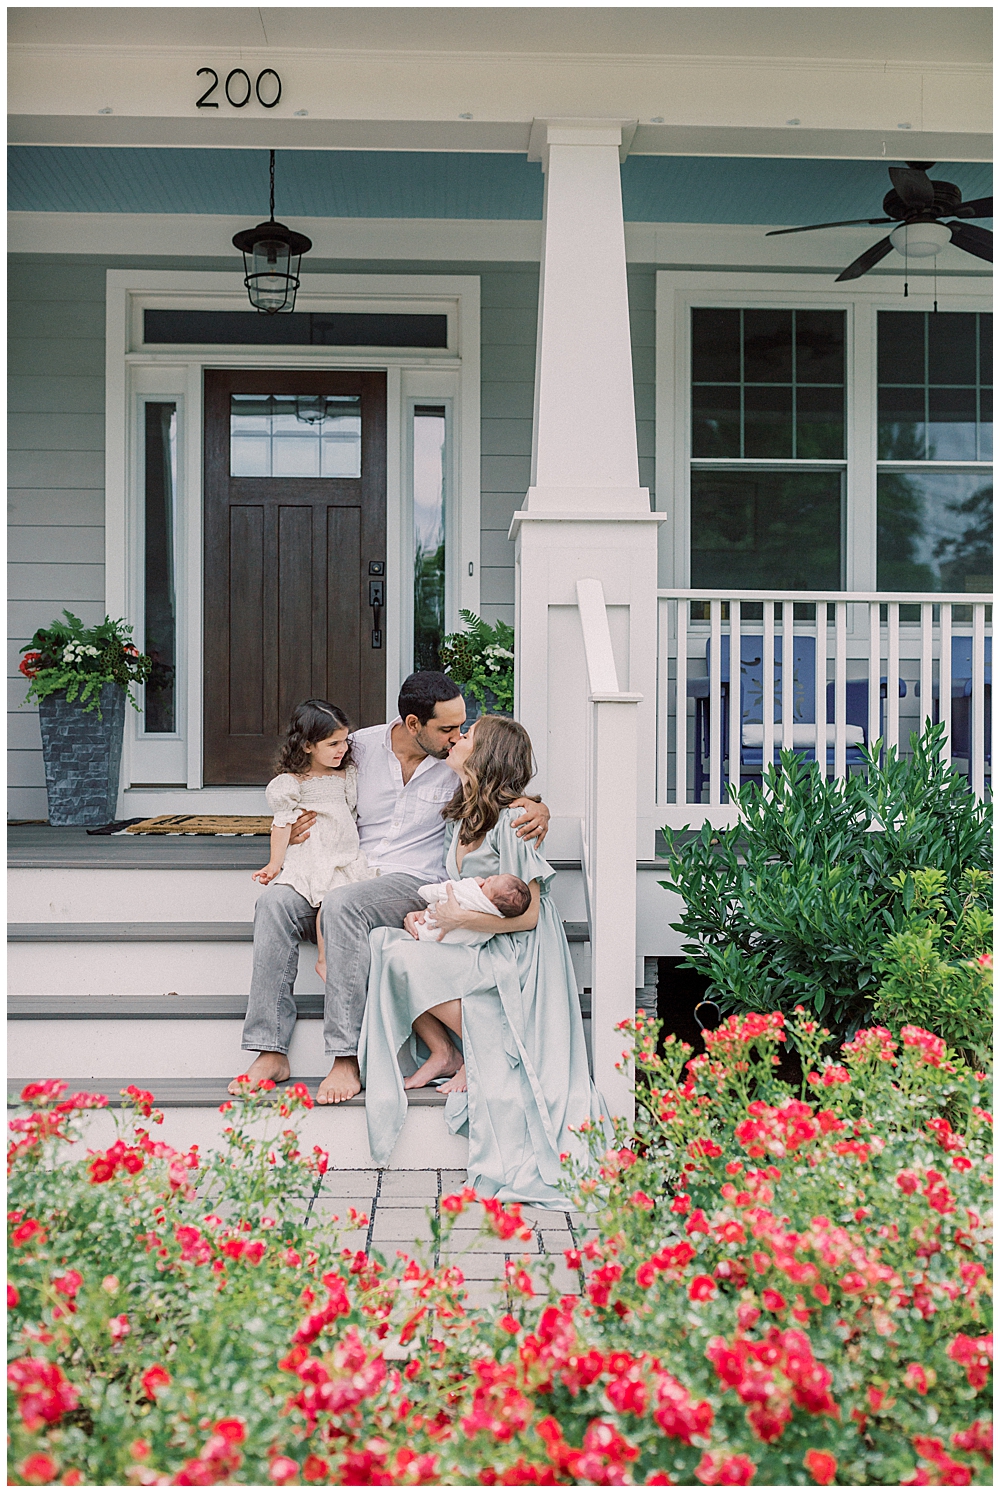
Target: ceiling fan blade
(978,241)
(981,207)
(867,260)
(808,228)
(913,187)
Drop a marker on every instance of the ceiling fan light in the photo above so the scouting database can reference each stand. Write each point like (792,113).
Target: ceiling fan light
(920,240)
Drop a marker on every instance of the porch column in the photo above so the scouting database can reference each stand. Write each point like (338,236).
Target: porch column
(586,518)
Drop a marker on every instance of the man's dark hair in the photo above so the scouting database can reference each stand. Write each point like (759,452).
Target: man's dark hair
(422,691)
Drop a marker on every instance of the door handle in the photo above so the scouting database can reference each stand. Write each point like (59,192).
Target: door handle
(376,600)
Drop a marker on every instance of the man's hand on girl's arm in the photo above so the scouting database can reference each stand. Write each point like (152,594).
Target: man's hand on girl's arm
(301,827)
(534,821)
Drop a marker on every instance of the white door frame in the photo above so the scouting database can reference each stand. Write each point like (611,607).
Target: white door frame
(135,372)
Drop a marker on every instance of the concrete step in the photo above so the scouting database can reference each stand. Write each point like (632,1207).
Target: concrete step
(191,1116)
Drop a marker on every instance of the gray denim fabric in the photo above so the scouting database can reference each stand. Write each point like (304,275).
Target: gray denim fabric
(349,913)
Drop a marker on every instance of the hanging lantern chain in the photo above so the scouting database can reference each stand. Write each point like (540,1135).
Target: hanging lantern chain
(272,186)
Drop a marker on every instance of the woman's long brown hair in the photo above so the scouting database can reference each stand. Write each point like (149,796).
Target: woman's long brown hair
(498,770)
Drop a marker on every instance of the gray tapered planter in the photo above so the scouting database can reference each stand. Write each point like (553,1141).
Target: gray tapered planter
(83,756)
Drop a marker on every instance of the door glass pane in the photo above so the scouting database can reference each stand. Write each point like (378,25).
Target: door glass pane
(160,638)
(935,531)
(295,435)
(429,431)
(766,530)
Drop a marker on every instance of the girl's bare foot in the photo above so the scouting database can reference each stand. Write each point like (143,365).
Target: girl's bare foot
(443,1062)
(321,969)
(342,1082)
(273,1065)
(457,1085)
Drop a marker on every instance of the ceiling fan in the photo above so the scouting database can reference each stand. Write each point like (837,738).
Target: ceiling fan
(917,204)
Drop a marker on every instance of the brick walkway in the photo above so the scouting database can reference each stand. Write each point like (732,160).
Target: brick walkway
(397,1205)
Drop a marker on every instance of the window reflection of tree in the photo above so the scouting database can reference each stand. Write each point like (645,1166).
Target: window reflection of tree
(970,554)
(428,606)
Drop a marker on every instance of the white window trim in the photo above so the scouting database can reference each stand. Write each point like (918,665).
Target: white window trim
(451,374)
(678,291)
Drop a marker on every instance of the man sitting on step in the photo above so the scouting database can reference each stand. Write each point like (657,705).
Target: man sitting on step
(403,784)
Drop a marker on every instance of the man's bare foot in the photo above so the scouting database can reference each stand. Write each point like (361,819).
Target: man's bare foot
(342,1082)
(273,1065)
(440,1063)
(321,968)
(457,1085)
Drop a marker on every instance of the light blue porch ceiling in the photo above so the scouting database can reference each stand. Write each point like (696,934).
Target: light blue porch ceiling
(423,184)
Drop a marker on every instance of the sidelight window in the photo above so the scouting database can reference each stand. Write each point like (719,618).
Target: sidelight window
(160,632)
(429,540)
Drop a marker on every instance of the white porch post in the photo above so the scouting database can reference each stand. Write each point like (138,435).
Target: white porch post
(586,518)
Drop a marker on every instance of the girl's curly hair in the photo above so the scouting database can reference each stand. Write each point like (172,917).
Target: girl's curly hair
(497,771)
(312,721)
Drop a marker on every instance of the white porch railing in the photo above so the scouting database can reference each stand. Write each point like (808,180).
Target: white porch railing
(608,835)
(929,654)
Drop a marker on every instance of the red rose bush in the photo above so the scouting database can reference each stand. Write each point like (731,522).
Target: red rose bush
(778,1284)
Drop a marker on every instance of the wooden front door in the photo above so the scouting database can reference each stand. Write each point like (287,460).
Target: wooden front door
(294,558)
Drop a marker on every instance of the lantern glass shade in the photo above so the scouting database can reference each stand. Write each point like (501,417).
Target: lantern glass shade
(272,254)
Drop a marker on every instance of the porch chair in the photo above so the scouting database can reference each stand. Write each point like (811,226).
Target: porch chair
(803,708)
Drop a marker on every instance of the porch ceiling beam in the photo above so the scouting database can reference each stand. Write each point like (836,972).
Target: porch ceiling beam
(491,136)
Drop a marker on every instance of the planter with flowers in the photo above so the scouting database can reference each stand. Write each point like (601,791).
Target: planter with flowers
(81,677)
(481,662)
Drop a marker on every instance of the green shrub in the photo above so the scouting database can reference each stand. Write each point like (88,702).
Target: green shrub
(67,656)
(938,970)
(796,902)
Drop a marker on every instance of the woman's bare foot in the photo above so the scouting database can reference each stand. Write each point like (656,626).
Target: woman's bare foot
(321,968)
(273,1065)
(444,1062)
(457,1085)
(342,1082)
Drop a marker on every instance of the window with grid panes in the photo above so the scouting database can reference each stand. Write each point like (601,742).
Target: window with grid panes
(768,448)
(935,440)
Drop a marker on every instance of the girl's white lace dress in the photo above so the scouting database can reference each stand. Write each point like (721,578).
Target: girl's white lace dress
(332,855)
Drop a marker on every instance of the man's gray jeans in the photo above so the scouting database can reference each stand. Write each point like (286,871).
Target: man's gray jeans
(348,915)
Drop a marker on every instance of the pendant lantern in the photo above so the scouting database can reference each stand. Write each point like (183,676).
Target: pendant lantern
(271,257)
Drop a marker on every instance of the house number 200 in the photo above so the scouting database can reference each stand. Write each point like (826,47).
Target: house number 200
(246,88)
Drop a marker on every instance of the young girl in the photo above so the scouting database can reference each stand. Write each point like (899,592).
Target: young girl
(315,773)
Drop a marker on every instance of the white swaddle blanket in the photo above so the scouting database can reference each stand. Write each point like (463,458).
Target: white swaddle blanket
(470,896)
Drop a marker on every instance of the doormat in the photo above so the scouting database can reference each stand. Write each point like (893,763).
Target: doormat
(203,824)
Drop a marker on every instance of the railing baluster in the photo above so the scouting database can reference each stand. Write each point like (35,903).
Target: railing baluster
(681,708)
(926,713)
(662,764)
(715,705)
(892,678)
(767,675)
(787,675)
(944,679)
(840,690)
(874,672)
(977,714)
(819,707)
(735,694)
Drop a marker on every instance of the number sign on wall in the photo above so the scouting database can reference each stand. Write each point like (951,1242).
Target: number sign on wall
(239,89)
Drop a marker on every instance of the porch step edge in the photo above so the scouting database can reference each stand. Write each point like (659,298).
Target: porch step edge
(204,1093)
(168,1007)
(200,932)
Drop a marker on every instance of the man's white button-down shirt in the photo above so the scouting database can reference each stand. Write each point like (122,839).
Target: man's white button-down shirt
(400,826)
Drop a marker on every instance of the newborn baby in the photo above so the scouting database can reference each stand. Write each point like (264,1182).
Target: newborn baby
(500,896)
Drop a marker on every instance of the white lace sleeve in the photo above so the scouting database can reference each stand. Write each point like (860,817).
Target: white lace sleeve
(351,790)
(284,799)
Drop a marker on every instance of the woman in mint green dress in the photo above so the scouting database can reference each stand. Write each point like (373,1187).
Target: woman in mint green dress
(512,1001)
